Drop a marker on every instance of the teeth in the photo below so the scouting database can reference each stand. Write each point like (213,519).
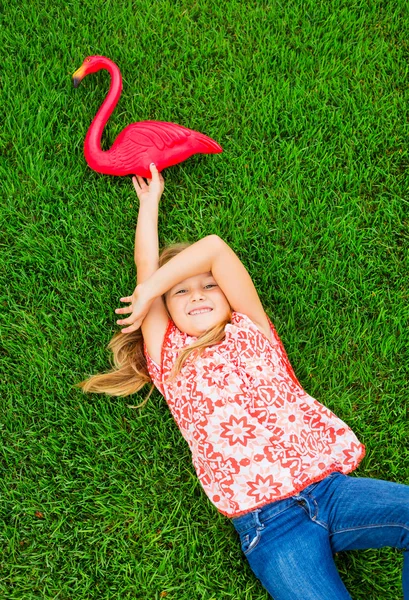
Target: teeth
(199,312)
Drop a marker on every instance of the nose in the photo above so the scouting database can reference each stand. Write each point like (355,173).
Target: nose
(197,295)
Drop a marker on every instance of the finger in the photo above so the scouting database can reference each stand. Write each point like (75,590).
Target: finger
(124,310)
(126,321)
(153,170)
(130,329)
(141,182)
(139,186)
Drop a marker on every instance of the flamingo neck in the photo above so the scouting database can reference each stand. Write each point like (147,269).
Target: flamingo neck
(92,144)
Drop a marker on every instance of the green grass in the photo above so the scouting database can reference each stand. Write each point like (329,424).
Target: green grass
(309,101)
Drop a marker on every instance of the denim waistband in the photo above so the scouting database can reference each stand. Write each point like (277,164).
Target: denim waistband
(259,516)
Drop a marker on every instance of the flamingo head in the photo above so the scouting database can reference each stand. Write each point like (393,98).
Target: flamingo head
(91,64)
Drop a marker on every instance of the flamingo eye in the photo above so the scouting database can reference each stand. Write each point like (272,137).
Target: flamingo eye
(87,60)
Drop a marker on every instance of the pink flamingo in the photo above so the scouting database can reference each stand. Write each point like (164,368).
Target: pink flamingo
(139,144)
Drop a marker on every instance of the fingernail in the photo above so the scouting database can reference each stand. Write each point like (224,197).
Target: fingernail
(152,165)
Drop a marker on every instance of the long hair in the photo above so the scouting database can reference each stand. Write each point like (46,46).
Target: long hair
(130,371)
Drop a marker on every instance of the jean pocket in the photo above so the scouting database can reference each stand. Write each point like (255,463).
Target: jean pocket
(249,540)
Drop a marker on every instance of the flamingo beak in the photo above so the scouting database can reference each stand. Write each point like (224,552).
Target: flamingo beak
(78,76)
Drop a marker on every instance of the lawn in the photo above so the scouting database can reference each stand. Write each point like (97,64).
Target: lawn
(309,100)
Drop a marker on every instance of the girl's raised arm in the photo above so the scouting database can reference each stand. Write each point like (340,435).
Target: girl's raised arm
(147,257)
(146,234)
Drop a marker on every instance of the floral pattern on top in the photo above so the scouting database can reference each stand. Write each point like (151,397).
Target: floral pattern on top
(255,435)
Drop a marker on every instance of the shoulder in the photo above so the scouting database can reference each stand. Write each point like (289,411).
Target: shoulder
(172,340)
(244,321)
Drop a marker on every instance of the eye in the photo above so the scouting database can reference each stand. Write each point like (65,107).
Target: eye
(206,286)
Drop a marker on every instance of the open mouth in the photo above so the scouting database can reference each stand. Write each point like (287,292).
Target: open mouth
(200,312)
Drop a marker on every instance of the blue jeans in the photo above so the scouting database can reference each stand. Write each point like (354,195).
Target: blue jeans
(290,543)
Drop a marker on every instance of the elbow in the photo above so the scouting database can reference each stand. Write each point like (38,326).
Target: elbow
(216,242)
(216,246)
(215,239)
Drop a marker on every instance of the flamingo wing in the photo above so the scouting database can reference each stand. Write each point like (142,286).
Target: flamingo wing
(163,143)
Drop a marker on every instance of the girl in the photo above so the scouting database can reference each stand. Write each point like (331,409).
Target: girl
(268,455)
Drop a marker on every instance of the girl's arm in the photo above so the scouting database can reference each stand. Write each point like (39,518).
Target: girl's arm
(210,253)
(146,235)
(197,258)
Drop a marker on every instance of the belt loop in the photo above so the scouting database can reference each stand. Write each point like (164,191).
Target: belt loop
(257,521)
(315,504)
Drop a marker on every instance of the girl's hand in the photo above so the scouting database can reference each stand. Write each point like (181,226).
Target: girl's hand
(139,307)
(151,191)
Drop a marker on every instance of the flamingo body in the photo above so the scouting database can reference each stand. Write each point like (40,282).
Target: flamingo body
(139,144)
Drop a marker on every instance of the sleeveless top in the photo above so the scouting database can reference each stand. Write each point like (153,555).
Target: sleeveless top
(255,435)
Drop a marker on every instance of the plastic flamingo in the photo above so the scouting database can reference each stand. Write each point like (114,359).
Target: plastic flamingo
(139,144)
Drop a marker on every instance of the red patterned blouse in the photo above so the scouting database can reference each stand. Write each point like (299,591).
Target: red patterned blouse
(255,435)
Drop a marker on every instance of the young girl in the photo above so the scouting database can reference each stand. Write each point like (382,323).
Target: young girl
(268,455)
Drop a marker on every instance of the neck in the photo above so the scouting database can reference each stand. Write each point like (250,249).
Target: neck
(92,144)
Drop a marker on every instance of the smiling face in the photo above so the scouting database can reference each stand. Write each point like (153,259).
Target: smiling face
(192,294)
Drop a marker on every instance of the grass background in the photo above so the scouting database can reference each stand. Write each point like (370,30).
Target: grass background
(309,101)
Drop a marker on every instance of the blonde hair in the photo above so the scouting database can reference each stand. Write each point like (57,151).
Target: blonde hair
(130,372)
